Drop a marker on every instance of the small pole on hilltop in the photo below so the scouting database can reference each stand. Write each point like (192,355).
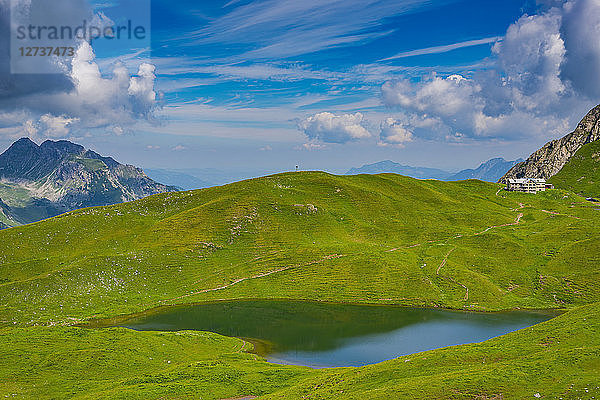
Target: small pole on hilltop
(297,167)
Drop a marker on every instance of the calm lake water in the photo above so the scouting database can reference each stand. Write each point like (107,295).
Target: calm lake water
(335,335)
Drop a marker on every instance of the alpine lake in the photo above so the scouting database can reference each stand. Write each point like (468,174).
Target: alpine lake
(323,335)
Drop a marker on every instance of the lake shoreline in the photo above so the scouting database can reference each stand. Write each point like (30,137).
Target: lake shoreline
(330,334)
(103,322)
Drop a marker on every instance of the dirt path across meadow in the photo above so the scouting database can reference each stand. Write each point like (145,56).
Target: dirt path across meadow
(329,257)
(444,261)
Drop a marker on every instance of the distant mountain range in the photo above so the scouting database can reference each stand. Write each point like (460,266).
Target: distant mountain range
(38,182)
(199,178)
(489,171)
(388,166)
(179,179)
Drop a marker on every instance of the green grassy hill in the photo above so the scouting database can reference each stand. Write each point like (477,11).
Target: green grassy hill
(361,239)
(375,239)
(581,174)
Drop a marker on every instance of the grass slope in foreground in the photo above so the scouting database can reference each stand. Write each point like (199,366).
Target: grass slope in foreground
(64,363)
(369,239)
(374,239)
(557,359)
(581,174)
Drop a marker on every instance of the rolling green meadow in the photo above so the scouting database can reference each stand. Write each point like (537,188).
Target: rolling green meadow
(374,239)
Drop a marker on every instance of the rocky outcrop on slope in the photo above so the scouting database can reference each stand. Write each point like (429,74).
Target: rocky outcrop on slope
(550,159)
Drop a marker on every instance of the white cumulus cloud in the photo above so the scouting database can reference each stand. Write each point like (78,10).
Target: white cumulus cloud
(394,132)
(56,126)
(543,79)
(94,101)
(331,128)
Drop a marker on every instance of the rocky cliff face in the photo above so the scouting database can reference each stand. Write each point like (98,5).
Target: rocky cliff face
(550,159)
(37,182)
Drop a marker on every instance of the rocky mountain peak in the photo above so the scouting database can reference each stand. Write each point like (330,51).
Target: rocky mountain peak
(24,143)
(552,157)
(21,148)
(61,148)
(590,124)
(59,176)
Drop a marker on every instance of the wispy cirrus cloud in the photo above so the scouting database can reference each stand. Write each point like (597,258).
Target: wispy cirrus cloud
(445,48)
(275,29)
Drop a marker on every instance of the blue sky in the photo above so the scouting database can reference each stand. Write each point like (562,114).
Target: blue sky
(264,85)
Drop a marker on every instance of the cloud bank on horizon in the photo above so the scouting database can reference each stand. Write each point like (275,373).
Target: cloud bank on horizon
(541,74)
(381,73)
(545,69)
